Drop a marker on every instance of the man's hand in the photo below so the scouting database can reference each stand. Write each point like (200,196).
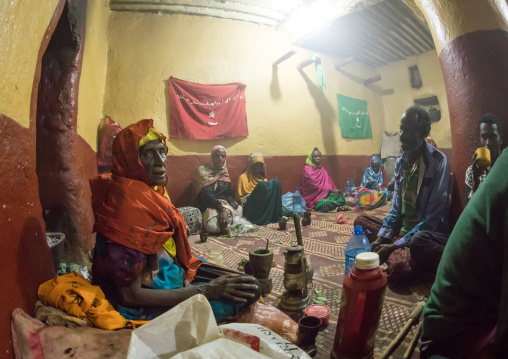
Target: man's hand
(477,173)
(379,241)
(223,217)
(384,251)
(236,287)
(234,204)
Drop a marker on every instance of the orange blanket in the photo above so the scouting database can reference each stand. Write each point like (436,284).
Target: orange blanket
(74,295)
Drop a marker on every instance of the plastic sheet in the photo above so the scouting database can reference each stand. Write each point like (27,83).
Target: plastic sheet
(271,318)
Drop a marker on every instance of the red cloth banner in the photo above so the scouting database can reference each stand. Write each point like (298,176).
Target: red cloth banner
(206,112)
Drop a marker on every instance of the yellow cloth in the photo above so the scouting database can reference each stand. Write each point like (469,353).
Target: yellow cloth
(75,296)
(247,181)
(152,134)
(170,245)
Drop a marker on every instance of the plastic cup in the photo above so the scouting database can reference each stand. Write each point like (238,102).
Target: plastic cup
(215,257)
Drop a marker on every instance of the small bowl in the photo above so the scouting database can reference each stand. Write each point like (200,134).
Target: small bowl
(320,311)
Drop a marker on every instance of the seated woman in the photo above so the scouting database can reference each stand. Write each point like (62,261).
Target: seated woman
(142,259)
(262,202)
(317,185)
(213,194)
(373,177)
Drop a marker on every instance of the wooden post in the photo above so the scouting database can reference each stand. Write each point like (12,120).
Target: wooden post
(372,80)
(284,57)
(344,62)
(305,63)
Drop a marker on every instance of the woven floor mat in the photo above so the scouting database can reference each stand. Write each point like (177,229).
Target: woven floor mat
(325,243)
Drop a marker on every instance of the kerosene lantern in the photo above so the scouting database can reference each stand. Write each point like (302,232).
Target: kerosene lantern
(296,296)
(297,274)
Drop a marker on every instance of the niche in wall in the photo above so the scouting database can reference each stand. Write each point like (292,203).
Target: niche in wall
(431,104)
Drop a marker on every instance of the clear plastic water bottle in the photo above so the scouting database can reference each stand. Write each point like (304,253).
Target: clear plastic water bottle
(348,187)
(358,243)
(297,202)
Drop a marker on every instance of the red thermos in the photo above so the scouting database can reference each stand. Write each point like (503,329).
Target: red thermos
(363,292)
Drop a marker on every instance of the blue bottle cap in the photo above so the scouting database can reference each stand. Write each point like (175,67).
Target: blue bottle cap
(358,230)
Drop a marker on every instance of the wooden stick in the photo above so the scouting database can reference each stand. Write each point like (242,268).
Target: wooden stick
(412,345)
(284,57)
(372,80)
(298,229)
(344,62)
(413,317)
(305,63)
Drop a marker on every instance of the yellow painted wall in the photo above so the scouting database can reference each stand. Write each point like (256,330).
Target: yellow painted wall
(146,49)
(93,72)
(396,76)
(22,27)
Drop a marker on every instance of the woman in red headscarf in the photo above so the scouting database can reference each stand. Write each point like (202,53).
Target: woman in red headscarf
(142,259)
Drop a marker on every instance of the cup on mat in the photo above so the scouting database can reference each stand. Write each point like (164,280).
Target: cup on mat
(203,235)
(309,328)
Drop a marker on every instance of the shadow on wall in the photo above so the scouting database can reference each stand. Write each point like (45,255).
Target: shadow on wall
(188,145)
(375,88)
(327,115)
(274,85)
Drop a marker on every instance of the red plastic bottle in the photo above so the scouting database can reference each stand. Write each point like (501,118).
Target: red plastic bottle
(363,293)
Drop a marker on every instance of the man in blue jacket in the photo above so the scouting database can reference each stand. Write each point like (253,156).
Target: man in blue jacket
(419,213)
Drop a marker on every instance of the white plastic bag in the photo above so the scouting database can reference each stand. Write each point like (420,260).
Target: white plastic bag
(221,348)
(240,226)
(188,325)
(264,340)
(189,331)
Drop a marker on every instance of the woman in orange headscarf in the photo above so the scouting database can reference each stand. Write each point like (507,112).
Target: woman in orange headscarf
(142,259)
(262,202)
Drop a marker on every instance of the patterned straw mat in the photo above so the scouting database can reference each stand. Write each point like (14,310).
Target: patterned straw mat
(325,243)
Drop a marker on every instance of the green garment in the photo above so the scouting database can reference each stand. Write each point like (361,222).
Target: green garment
(308,161)
(354,118)
(409,196)
(319,71)
(331,202)
(264,204)
(471,285)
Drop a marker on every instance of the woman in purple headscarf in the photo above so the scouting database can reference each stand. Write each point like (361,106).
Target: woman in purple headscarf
(316,183)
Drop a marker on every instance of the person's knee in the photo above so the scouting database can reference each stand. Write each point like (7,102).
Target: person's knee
(419,241)
(358,220)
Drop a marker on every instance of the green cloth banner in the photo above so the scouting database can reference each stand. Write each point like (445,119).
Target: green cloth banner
(354,118)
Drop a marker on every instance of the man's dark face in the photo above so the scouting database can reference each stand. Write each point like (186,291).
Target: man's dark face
(316,158)
(376,166)
(258,170)
(410,137)
(153,158)
(219,159)
(490,138)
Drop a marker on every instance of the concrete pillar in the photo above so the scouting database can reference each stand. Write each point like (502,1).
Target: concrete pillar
(471,38)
